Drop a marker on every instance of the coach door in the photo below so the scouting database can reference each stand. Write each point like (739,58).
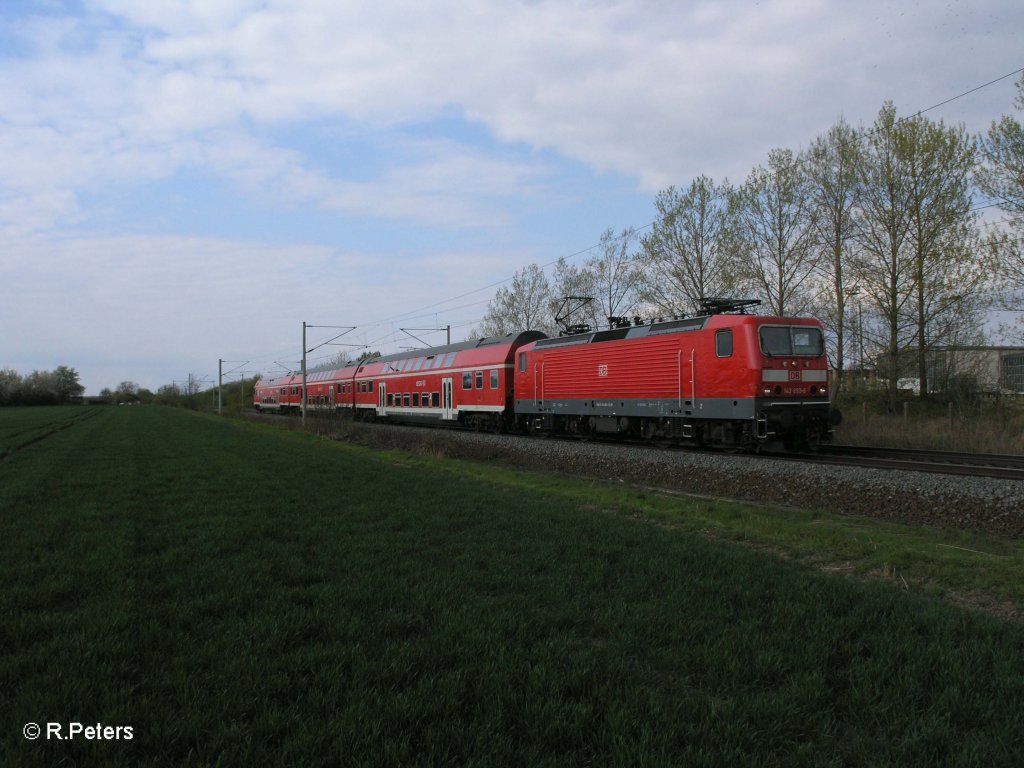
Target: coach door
(382,398)
(447,411)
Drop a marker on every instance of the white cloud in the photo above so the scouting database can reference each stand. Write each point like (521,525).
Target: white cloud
(130,94)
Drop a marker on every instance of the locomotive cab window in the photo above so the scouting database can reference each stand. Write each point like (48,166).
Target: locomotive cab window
(723,343)
(522,362)
(791,340)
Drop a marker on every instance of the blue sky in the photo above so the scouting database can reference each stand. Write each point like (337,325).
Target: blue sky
(187,181)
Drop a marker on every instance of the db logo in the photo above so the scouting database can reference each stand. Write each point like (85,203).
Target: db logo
(794,375)
(602,370)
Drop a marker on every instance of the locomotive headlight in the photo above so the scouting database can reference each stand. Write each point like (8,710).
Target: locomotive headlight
(767,390)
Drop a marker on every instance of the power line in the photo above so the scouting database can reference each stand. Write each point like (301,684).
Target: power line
(857,136)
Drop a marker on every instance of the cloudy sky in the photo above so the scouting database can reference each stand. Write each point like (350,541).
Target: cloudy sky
(184,181)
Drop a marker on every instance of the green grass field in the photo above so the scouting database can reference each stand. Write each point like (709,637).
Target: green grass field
(242,595)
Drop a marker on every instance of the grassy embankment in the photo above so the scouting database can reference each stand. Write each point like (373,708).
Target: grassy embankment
(246,596)
(991,425)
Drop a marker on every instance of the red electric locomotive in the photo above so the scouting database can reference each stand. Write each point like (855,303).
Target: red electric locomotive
(732,381)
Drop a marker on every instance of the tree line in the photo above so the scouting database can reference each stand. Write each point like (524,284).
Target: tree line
(55,387)
(877,231)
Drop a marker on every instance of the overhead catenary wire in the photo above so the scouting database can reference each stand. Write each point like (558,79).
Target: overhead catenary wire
(419,312)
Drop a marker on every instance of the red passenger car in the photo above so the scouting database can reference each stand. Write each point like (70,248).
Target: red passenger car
(469,384)
(727,380)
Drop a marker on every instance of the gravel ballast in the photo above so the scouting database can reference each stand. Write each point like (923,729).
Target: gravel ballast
(970,503)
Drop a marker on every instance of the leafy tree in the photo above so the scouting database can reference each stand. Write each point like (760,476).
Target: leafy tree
(40,388)
(10,386)
(68,388)
(685,256)
(831,163)
(918,258)
(774,242)
(883,266)
(943,233)
(1001,177)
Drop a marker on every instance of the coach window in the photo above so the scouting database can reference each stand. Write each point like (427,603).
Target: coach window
(479,379)
(467,380)
(426,399)
(369,386)
(415,399)
(494,379)
(405,399)
(435,399)
(723,343)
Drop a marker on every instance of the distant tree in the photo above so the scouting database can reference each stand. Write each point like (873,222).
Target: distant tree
(774,235)
(367,355)
(68,388)
(524,305)
(40,388)
(128,392)
(10,386)
(685,258)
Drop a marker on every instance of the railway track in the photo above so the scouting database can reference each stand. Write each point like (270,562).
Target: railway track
(1005,467)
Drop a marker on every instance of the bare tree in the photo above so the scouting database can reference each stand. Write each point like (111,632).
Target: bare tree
(523,306)
(615,275)
(685,258)
(775,233)
(572,280)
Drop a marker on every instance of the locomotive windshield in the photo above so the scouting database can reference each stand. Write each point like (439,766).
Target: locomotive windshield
(789,340)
